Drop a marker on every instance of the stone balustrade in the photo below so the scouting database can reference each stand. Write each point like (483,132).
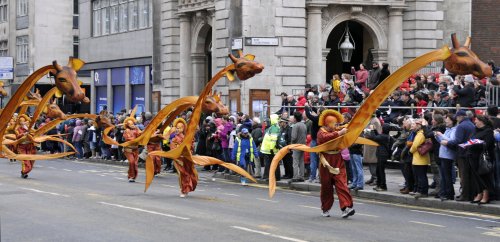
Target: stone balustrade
(360,2)
(194,5)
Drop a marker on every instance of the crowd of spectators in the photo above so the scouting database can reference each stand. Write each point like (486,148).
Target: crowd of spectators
(251,142)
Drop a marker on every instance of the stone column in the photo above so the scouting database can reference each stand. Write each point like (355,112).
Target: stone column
(211,12)
(325,53)
(147,90)
(109,92)
(92,93)
(198,60)
(379,56)
(314,49)
(395,41)
(185,55)
(128,92)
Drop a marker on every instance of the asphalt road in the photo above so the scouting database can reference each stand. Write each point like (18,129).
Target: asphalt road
(67,200)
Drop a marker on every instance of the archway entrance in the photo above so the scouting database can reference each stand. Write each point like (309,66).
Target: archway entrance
(202,58)
(361,54)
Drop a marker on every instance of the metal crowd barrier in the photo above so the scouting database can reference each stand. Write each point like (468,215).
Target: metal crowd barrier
(339,107)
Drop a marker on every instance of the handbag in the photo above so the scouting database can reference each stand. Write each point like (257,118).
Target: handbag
(484,166)
(424,148)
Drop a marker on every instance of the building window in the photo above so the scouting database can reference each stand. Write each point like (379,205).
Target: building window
(4,13)
(76,9)
(76,45)
(134,15)
(22,8)
(123,15)
(22,43)
(4,48)
(116,16)
(145,12)
(96,12)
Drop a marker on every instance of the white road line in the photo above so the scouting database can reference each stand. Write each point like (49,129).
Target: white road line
(200,190)
(50,167)
(266,200)
(83,172)
(39,166)
(268,234)
(367,215)
(203,182)
(67,170)
(435,225)
(143,210)
(305,206)
(101,175)
(295,194)
(168,186)
(51,193)
(119,178)
(229,194)
(457,216)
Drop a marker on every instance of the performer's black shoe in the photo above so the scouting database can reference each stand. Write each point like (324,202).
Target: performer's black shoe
(348,212)
(24,175)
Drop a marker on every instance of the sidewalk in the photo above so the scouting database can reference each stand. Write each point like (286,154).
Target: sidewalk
(394,179)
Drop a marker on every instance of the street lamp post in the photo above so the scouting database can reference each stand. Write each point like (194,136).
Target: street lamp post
(346,48)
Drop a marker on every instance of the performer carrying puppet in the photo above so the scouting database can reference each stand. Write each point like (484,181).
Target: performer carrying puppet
(26,146)
(185,168)
(131,152)
(332,169)
(154,144)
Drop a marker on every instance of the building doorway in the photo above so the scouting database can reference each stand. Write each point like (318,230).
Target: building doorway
(259,103)
(363,41)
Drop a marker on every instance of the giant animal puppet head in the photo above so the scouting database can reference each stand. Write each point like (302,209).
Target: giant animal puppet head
(214,104)
(245,67)
(463,61)
(53,111)
(67,80)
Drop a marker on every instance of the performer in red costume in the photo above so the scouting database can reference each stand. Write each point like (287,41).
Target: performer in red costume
(131,152)
(332,169)
(188,177)
(26,145)
(154,145)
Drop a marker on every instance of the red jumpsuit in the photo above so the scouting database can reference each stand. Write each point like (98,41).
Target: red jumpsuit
(188,177)
(154,145)
(328,180)
(132,152)
(25,147)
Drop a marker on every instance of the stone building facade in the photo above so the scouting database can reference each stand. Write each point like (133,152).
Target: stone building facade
(196,35)
(36,32)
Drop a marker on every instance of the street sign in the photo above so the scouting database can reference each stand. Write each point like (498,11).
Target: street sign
(262,41)
(237,44)
(6,68)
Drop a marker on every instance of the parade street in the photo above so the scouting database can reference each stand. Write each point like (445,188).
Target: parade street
(68,200)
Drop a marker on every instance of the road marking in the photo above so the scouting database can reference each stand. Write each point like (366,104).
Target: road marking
(39,166)
(367,215)
(266,200)
(168,186)
(229,194)
(203,182)
(305,206)
(67,169)
(457,216)
(83,172)
(101,175)
(51,193)
(295,194)
(268,234)
(143,210)
(435,225)
(50,167)
(119,178)
(200,190)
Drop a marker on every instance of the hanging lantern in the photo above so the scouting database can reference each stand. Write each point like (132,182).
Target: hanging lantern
(346,48)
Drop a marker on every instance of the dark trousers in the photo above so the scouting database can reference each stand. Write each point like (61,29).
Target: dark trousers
(288,165)
(381,172)
(408,175)
(267,164)
(348,170)
(465,178)
(445,171)
(421,177)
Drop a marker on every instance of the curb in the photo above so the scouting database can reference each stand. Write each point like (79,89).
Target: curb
(385,197)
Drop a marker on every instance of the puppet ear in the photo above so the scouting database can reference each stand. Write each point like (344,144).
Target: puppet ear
(56,66)
(230,76)
(132,113)
(58,93)
(467,42)
(250,57)
(75,63)
(45,110)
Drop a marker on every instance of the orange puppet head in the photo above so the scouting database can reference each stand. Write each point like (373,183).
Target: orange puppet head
(330,118)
